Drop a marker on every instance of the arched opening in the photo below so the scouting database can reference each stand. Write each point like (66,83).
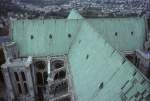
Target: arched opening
(40,64)
(60,75)
(16,76)
(57,64)
(25,88)
(39,78)
(19,89)
(23,76)
(2,61)
(45,75)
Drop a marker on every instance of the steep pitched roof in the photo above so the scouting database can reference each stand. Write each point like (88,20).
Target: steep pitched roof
(100,73)
(74,15)
(121,33)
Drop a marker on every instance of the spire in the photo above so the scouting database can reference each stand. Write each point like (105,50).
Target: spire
(74,14)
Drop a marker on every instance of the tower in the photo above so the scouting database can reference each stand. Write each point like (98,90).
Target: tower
(17,75)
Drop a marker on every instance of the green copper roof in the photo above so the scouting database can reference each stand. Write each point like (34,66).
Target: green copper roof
(124,34)
(119,32)
(99,72)
(74,15)
(50,37)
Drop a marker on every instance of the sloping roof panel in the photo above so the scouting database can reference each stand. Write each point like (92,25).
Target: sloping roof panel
(124,34)
(99,71)
(40,30)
